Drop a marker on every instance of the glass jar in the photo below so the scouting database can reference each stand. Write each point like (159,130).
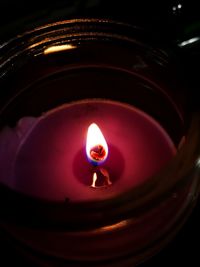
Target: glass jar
(88,59)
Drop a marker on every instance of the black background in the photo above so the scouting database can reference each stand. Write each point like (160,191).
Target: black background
(160,18)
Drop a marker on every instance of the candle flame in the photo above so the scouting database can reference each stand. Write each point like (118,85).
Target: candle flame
(96,146)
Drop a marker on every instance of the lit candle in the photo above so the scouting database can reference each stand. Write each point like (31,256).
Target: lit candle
(86,150)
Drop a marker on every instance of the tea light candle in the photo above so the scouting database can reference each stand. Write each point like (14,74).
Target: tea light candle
(87,150)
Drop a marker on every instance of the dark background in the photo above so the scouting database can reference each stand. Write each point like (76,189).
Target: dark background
(164,19)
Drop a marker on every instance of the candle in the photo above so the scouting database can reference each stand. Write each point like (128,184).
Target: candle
(69,198)
(49,157)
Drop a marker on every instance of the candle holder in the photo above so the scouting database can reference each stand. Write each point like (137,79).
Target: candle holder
(98,59)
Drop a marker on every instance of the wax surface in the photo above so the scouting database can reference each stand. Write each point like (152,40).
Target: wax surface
(45,157)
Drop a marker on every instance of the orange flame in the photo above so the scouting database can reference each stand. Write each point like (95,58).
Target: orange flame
(96,146)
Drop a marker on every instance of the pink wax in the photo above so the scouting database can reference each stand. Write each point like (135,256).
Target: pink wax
(45,157)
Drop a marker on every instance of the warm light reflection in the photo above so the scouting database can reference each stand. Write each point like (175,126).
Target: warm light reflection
(58,48)
(109,228)
(96,146)
(113,227)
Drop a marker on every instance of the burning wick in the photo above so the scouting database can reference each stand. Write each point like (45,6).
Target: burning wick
(106,176)
(94,180)
(97,153)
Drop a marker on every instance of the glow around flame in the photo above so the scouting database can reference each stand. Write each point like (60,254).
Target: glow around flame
(96,146)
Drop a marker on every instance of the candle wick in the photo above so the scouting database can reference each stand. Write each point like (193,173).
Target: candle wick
(94,180)
(106,176)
